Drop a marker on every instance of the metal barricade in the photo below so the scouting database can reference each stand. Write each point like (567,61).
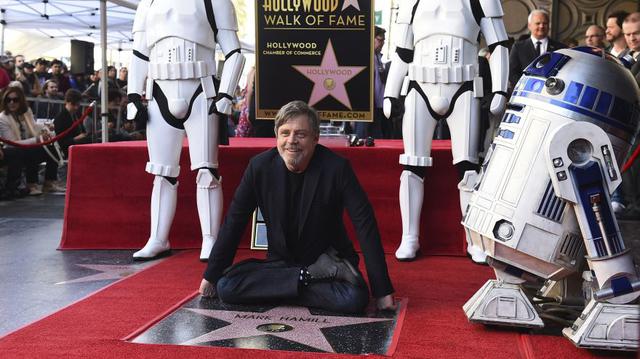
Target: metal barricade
(51,107)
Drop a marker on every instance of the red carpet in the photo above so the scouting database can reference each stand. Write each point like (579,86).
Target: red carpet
(434,325)
(108,195)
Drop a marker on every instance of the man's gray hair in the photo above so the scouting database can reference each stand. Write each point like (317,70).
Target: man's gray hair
(295,109)
(537,12)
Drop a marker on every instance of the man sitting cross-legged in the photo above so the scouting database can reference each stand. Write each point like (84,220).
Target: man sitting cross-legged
(302,189)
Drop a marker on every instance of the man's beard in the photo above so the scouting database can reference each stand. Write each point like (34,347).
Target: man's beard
(293,160)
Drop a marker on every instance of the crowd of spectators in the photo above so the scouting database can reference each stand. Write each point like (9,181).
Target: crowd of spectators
(51,100)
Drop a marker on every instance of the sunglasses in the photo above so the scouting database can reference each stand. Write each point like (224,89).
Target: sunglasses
(12,99)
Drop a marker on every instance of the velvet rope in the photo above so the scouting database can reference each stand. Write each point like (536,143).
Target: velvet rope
(75,124)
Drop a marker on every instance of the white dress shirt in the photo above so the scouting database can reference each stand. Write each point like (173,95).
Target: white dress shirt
(543,44)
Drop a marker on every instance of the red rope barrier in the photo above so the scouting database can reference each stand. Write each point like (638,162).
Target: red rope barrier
(75,124)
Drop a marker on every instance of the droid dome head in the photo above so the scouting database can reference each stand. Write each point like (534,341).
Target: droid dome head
(584,84)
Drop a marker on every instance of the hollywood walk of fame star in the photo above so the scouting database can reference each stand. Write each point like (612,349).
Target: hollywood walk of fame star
(329,78)
(348,3)
(305,326)
(109,271)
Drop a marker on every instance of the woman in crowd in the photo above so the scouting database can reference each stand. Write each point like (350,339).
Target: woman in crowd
(44,107)
(17,125)
(112,82)
(29,80)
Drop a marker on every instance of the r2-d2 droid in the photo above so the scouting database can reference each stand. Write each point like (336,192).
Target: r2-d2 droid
(541,203)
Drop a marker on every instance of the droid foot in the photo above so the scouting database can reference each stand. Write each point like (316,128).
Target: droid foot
(606,326)
(408,249)
(500,303)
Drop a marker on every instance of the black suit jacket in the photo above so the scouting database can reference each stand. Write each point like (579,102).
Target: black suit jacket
(330,186)
(523,53)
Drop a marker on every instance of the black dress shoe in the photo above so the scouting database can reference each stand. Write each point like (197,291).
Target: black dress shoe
(330,267)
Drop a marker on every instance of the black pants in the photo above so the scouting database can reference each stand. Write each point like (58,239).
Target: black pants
(255,281)
(18,158)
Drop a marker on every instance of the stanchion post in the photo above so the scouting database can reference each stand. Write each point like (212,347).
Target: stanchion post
(104,112)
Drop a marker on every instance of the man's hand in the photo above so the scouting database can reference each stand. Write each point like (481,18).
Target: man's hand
(207,289)
(386,303)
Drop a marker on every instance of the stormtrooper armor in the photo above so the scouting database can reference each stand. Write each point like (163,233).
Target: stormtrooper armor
(541,203)
(173,67)
(437,52)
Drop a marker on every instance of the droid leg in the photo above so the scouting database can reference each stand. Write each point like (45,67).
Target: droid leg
(417,130)
(610,319)
(164,144)
(202,131)
(583,171)
(502,301)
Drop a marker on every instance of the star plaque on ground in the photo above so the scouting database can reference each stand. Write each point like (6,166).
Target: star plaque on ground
(108,272)
(329,78)
(209,322)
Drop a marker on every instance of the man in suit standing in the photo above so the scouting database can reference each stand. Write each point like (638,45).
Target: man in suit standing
(631,31)
(302,189)
(525,51)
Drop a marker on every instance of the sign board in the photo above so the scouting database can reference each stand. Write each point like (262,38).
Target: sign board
(317,51)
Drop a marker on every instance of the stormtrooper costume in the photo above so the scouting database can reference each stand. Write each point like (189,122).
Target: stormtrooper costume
(436,62)
(173,67)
